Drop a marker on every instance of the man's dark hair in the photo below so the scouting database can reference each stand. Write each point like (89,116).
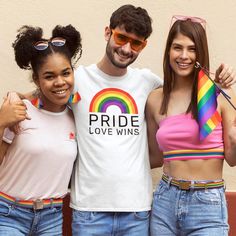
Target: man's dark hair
(134,20)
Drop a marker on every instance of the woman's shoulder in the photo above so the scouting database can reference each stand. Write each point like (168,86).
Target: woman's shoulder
(157,92)
(154,99)
(156,95)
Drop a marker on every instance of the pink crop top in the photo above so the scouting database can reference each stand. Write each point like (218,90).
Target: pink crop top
(178,138)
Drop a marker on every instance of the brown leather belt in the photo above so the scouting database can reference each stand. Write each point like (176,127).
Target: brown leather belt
(187,185)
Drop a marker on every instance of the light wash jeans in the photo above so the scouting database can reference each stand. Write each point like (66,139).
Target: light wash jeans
(178,212)
(86,223)
(21,221)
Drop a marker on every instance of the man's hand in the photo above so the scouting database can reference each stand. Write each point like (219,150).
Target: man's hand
(225,75)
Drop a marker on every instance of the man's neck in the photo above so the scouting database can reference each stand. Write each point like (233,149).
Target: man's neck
(108,68)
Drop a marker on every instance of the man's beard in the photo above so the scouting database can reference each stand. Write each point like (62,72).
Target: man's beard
(110,55)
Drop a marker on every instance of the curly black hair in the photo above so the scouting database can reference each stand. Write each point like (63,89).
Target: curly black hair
(27,57)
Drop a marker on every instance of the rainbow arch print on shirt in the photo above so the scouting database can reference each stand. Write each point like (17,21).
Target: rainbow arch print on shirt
(113,97)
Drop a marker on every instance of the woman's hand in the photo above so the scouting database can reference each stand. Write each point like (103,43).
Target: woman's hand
(12,112)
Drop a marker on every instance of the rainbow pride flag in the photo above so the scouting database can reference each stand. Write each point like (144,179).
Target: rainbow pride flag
(74,98)
(208,116)
(37,102)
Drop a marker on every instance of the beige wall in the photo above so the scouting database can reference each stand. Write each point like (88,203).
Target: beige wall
(91,16)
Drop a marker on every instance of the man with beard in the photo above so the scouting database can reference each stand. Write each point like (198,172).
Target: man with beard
(111,189)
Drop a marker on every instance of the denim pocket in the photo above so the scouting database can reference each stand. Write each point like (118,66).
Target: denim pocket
(56,209)
(81,215)
(162,187)
(5,208)
(142,215)
(209,196)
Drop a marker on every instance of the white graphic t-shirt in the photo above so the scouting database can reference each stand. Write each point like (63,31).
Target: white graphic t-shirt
(112,172)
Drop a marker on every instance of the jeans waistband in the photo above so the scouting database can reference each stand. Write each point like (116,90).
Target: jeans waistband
(188,185)
(37,204)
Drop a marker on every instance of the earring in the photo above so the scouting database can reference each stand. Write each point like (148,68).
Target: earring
(74,98)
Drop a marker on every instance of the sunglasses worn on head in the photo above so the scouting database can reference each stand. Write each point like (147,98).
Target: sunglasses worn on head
(43,45)
(190,18)
(122,39)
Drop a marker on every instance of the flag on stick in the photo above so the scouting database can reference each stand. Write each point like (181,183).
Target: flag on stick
(208,116)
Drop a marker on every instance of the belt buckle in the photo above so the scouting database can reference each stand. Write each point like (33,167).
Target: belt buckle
(38,204)
(184,185)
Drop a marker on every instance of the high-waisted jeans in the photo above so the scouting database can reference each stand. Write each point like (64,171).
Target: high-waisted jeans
(22,221)
(178,212)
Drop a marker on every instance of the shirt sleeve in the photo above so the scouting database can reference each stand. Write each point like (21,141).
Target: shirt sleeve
(8,136)
(158,82)
(154,79)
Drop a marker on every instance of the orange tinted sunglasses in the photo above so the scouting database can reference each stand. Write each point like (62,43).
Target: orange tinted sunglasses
(122,39)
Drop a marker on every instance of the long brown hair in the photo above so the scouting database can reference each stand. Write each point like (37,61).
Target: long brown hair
(197,34)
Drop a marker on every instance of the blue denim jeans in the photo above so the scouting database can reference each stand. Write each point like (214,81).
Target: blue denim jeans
(87,223)
(188,212)
(21,221)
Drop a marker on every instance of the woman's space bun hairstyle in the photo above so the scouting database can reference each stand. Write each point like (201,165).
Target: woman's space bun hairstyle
(28,57)
(73,39)
(23,45)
